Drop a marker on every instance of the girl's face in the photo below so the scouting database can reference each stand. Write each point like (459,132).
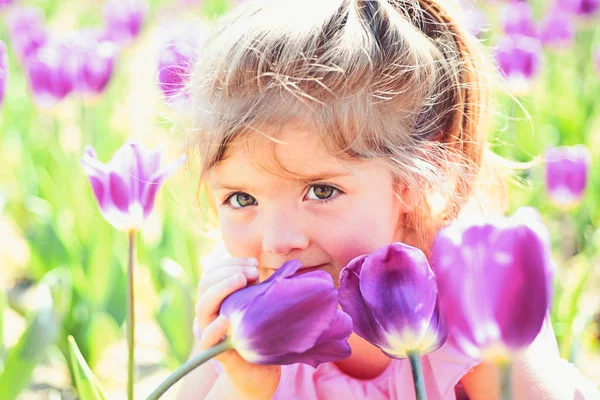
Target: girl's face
(333,211)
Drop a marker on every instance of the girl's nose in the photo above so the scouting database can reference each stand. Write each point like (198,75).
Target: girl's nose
(283,234)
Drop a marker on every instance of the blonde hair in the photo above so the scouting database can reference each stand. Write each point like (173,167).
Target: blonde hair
(399,81)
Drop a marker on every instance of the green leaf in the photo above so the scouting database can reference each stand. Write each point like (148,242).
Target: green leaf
(214,8)
(116,301)
(175,320)
(176,311)
(100,267)
(2,308)
(102,331)
(24,356)
(3,303)
(88,387)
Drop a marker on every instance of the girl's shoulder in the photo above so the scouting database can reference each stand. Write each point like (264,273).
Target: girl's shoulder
(442,370)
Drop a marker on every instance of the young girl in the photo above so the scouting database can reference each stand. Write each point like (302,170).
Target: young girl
(327,129)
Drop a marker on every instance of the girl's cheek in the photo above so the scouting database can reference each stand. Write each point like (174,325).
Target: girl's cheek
(356,243)
(239,238)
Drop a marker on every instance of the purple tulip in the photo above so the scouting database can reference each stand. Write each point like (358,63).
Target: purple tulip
(566,174)
(26,26)
(557,29)
(288,319)
(126,187)
(582,8)
(5,3)
(50,78)
(124,19)
(495,281)
(519,57)
(518,19)
(91,61)
(177,55)
(3,70)
(391,295)
(476,20)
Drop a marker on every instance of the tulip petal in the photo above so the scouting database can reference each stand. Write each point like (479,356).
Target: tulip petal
(399,287)
(494,280)
(566,174)
(123,163)
(332,345)
(98,188)
(97,175)
(239,300)
(286,270)
(149,192)
(525,298)
(119,192)
(451,269)
(282,311)
(352,303)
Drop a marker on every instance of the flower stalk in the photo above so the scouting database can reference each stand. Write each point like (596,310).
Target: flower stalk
(189,366)
(506,380)
(130,316)
(417,372)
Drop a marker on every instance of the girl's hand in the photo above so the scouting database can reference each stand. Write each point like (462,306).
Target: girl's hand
(220,280)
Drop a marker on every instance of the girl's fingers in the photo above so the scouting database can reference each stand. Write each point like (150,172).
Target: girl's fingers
(207,307)
(213,277)
(214,332)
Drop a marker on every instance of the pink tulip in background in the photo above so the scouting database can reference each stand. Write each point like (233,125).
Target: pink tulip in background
(567,171)
(3,70)
(126,186)
(180,43)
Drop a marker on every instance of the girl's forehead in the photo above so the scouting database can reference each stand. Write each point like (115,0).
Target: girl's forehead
(291,152)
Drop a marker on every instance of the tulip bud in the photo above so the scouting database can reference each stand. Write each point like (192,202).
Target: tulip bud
(91,61)
(495,282)
(177,54)
(391,295)
(26,26)
(50,79)
(566,174)
(519,59)
(518,19)
(124,19)
(582,8)
(557,29)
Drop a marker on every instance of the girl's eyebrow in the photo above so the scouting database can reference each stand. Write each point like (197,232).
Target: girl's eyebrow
(321,177)
(305,179)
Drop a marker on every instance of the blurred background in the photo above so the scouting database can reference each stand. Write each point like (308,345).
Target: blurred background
(75,72)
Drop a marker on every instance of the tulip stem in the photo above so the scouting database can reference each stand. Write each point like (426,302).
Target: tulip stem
(506,381)
(190,365)
(130,316)
(415,365)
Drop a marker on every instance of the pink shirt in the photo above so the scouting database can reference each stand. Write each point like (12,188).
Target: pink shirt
(442,370)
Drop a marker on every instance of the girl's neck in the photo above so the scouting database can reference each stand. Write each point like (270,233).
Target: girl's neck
(366,361)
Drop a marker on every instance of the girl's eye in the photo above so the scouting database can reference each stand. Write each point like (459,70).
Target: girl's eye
(240,200)
(321,192)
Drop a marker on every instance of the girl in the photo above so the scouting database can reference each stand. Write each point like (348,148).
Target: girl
(326,129)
